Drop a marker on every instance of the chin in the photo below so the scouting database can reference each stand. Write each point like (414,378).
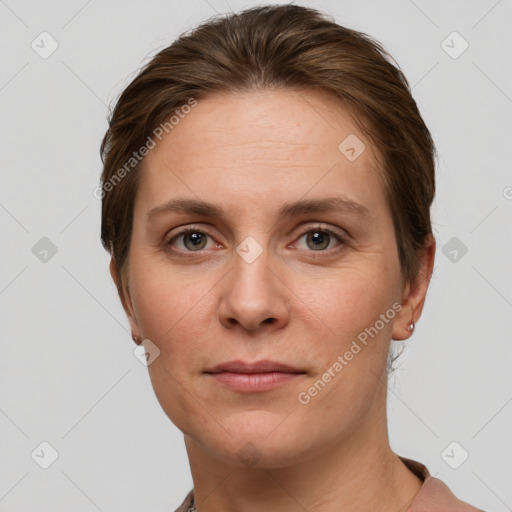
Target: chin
(243,452)
(255,439)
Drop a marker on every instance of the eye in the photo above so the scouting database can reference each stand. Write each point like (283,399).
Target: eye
(193,239)
(319,238)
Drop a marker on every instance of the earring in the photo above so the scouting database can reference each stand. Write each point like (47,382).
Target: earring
(136,339)
(411,326)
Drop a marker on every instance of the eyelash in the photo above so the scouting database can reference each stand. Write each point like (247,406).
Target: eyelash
(194,229)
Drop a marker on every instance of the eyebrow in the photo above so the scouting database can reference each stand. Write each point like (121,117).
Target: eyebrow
(339,203)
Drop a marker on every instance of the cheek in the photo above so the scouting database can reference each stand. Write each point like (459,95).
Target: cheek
(353,354)
(349,300)
(169,310)
(349,309)
(164,302)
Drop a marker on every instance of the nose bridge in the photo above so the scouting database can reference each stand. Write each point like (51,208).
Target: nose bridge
(251,272)
(252,293)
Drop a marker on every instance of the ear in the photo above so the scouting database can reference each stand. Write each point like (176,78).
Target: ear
(124,295)
(414,295)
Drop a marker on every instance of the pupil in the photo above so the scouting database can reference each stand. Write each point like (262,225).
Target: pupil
(195,238)
(319,237)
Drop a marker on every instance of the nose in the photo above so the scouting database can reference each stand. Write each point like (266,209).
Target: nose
(254,295)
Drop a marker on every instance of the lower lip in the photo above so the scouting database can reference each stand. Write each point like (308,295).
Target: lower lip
(247,382)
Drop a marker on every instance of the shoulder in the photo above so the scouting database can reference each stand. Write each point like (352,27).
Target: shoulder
(434,495)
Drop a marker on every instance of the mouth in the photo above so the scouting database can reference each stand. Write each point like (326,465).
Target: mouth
(259,376)
(265,366)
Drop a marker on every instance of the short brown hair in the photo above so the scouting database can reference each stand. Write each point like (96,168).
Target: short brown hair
(276,47)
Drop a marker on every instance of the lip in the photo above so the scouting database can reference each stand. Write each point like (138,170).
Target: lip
(254,377)
(263,366)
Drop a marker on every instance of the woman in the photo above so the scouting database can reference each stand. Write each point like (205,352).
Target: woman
(266,191)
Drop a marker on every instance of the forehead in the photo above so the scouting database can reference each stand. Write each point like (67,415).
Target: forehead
(252,147)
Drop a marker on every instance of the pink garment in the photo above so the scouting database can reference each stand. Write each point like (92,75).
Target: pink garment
(434,495)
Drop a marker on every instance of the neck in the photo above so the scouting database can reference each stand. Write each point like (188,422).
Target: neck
(358,473)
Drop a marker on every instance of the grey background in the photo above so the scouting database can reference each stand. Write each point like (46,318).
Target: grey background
(68,375)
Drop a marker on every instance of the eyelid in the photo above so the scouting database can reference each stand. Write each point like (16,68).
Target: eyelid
(341,235)
(183,231)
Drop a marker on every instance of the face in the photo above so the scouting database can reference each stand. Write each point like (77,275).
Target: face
(277,274)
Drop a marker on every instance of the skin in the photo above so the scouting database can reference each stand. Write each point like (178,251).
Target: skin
(251,153)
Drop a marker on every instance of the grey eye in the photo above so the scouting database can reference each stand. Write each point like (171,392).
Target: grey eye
(196,238)
(320,239)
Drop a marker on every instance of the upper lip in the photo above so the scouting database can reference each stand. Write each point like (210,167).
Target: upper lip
(263,366)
